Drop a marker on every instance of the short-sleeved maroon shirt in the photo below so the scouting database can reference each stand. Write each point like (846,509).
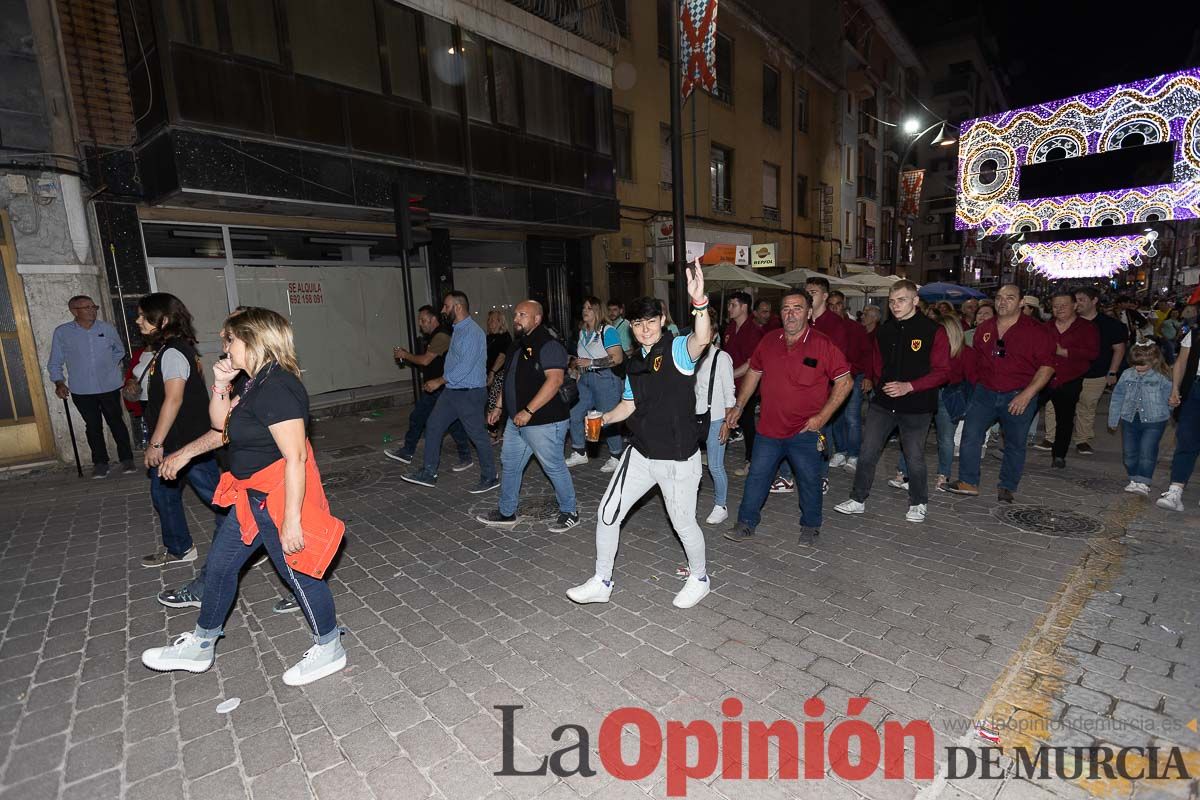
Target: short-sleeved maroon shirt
(1008,363)
(795,381)
(739,343)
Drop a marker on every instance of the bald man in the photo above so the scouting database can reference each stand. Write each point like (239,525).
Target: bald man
(538,419)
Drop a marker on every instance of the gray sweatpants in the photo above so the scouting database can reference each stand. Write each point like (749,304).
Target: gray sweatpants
(679,481)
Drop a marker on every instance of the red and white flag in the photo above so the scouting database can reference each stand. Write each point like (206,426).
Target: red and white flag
(697,45)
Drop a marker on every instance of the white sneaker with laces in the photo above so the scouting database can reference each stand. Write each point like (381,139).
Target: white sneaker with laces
(1133,487)
(577,459)
(898,482)
(851,464)
(838,460)
(718,515)
(693,591)
(596,590)
(850,507)
(611,465)
(319,661)
(916,513)
(1143,489)
(1171,499)
(189,653)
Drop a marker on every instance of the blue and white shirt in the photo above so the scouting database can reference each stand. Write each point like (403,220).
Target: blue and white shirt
(92,357)
(679,354)
(466,366)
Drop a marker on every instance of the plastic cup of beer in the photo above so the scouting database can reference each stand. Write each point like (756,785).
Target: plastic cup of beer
(593,422)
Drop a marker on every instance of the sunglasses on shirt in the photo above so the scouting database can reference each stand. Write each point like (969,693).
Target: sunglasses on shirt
(999,351)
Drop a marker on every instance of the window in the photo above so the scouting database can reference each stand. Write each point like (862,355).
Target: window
(479,98)
(770,96)
(621,16)
(848,175)
(335,41)
(623,144)
(720,168)
(603,117)
(847,231)
(546,107)
(253,29)
(193,22)
(666,29)
(723,66)
(664,156)
(404,51)
(445,65)
(801,195)
(770,192)
(506,77)
(802,110)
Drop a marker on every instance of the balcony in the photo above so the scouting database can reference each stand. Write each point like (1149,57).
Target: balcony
(868,188)
(593,20)
(963,82)
(770,215)
(722,205)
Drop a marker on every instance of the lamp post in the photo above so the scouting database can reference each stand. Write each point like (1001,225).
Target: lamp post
(942,139)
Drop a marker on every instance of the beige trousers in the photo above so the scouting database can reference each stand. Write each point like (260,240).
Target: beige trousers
(1085,412)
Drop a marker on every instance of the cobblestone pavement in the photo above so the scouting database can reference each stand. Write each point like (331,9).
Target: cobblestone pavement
(1085,635)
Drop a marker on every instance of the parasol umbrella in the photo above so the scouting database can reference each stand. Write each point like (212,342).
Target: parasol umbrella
(727,276)
(798,276)
(934,292)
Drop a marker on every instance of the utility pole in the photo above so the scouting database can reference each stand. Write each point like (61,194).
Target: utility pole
(680,312)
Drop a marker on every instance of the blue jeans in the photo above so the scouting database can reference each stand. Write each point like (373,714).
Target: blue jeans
(202,474)
(945,441)
(229,555)
(521,444)
(600,391)
(1139,444)
(848,424)
(465,406)
(801,452)
(1187,437)
(987,407)
(716,462)
(420,416)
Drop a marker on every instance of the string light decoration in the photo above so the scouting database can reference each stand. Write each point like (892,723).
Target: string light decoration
(1087,258)
(994,149)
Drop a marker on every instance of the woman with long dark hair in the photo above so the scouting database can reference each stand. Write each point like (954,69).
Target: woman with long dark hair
(175,413)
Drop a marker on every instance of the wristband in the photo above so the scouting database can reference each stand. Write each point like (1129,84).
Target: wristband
(699,307)
(527,411)
(156,446)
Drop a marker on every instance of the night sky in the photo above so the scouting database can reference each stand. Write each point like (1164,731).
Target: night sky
(1057,49)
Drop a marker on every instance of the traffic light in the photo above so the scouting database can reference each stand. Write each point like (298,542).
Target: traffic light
(414,224)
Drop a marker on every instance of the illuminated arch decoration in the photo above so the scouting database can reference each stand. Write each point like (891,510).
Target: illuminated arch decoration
(993,150)
(1086,258)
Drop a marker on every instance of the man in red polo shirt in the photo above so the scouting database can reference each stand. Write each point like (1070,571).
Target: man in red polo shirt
(1014,362)
(742,335)
(794,369)
(765,316)
(1077,343)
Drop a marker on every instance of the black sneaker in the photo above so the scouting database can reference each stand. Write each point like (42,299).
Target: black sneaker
(494,519)
(740,533)
(1044,444)
(808,536)
(286,605)
(128,468)
(1059,463)
(1084,449)
(99,471)
(399,454)
(1004,495)
(485,486)
(179,598)
(421,477)
(565,522)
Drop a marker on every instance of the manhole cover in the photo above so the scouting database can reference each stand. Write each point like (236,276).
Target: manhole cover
(539,508)
(356,478)
(1051,521)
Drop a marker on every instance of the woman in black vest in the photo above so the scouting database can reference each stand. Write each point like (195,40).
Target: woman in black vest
(659,408)
(176,413)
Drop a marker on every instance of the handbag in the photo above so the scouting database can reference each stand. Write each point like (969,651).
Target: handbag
(956,397)
(705,419)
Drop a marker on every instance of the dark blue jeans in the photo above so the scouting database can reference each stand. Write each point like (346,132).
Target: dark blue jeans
(418,418)
(465,406)
(801,452)
(848,424)
(202,474)
(229,555)
(1139,444)
(1187,437)
(987,407)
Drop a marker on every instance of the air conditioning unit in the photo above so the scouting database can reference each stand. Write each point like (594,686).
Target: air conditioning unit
(930,219)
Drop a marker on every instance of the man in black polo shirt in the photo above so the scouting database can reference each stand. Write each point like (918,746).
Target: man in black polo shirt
(538,419)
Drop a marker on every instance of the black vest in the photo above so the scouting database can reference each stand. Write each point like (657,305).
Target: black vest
(523,367)
(663,424)
(906,347)
(435,368)
(192,421)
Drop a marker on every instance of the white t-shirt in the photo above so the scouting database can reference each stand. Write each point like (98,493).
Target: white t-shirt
(139,369)
(1187,340)
(723,395)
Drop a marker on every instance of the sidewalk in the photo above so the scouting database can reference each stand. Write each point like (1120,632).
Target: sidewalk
(1055,637)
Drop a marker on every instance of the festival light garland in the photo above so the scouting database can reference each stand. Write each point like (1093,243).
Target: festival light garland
(1165,108)
(1087,258)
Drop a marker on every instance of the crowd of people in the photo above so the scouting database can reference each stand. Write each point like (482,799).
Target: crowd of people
(808,389)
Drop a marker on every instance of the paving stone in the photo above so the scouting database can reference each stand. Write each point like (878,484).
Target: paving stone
(94,756)
(265,751)
(105,786)
(35,759)
(208,754)
(150,757)
(426,743)
(340,783)
(164,786)
(223,785)
(287,781)
(398,779)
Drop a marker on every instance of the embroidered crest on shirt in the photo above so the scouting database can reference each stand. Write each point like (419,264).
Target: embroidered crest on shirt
(657,363)
(915,344)
(987,337)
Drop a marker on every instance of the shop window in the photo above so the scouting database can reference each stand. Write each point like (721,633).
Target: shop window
(623,144)
(335,41)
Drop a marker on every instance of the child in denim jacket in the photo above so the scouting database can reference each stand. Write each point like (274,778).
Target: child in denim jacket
(1139,404)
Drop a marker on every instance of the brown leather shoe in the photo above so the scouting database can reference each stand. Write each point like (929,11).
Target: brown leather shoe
(1004,495)
(959,487)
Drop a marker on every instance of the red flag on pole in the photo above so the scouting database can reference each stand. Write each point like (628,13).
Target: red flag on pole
(697,45)
(910,192)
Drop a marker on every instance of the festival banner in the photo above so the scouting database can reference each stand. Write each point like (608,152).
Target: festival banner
(697,45)
(911,181)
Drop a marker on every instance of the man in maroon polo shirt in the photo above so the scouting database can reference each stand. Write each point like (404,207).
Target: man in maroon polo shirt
(804,378)
(844,434)
(765,316)
(742,335)
(1076,345)
(1015,361)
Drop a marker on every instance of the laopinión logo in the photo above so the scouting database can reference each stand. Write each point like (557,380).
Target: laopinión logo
(741,749)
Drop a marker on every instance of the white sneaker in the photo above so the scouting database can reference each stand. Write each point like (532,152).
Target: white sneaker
(1134,488)
(916,513)
(189,653)
(611,465)
(838,460)
(319,661)
(1143,489)
(693,591)
(851,464)
(596,590)
(1171,499)
(898,482)
(719,514)
(850,507)
(782,486)
(577,459)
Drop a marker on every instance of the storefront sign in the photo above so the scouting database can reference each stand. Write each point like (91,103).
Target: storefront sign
(742,256)
(719,253)
(762,255)
(305,293)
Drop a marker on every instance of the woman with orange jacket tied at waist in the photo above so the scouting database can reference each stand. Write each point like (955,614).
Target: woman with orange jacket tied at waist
(275,489)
